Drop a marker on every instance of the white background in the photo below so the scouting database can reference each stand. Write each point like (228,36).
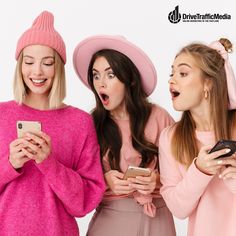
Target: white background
(145,23)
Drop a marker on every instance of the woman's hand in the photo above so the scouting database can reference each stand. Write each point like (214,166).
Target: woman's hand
(145,185)
(116,183)
(17,158)
(230,168)
(37,146)
(207,163)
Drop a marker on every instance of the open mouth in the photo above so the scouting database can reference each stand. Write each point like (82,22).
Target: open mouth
(38,81)
(174,93)
(104,98)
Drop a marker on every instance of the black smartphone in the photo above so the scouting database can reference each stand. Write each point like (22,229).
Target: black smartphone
(222,144)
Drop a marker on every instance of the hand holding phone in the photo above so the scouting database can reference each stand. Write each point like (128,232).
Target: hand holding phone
(38,145)
(134,171)
(222,144)
(17,157)
(147,181)
(116,183)
(27,127)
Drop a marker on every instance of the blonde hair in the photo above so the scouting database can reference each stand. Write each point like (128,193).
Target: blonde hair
(184,143)
(58,89)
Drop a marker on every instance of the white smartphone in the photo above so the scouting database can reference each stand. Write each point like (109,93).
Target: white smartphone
(23,127)
(134,171)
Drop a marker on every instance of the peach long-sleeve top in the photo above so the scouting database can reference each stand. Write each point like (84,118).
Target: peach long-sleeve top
(158,120)
(208,201)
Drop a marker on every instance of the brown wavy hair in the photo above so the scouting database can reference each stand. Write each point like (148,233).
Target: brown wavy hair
(137,106)
(184,143)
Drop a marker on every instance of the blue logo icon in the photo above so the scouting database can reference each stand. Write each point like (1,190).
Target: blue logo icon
(174,16)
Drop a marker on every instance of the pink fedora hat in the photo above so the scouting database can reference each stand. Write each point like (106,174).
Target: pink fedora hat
(85,50)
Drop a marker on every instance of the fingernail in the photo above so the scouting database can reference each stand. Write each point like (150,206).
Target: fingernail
(227,150)
(219,162)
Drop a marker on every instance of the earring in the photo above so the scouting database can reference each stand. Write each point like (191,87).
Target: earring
(206,92)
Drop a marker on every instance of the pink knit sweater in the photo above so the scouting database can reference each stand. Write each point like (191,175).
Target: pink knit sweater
(44,199)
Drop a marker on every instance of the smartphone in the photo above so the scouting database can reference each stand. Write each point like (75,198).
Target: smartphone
(134,171)
(23,127)
(224,144)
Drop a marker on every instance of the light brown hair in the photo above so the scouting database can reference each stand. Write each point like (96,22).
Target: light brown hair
(184,143)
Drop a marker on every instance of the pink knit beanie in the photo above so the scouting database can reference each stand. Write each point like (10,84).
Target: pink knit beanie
(42,32)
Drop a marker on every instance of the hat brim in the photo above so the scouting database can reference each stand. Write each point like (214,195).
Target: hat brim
(87,48)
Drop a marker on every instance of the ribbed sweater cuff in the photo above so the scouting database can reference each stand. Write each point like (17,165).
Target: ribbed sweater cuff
(8,173)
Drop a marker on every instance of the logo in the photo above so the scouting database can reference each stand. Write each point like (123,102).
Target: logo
(174,16)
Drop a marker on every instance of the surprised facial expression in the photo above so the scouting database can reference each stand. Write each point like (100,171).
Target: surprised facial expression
(109,88)
(187,84)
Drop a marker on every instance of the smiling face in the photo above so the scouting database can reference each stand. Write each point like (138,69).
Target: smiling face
(109,88)
(38,69)
(187,84)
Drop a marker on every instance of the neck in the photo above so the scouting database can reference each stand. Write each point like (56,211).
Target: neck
(203,120)
(120,114)
(37,101)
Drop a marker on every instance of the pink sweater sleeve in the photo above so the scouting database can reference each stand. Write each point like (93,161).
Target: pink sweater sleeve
(7,173)
(231,184)
(181,189)
(80,189)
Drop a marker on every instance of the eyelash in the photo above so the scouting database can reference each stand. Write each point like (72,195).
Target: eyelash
(95,76)
(46,64)
(182,74)
(111,74)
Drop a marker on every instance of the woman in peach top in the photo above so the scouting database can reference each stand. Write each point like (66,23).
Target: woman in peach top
(121,77)
(198,184)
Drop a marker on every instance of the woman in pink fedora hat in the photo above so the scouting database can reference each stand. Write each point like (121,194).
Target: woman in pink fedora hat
(199,181)
(49,155)
(121,77)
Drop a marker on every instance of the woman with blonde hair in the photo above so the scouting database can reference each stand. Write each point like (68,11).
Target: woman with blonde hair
(198,183)
(49,176)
